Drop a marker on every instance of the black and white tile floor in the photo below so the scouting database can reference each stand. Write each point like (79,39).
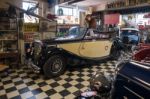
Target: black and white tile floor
(24,84)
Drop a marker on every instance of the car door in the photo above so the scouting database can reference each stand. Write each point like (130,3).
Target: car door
(96,47)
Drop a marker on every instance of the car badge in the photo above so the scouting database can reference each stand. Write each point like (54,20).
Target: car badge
(106,48)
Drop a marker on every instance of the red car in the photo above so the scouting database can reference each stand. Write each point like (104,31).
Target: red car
(143,55)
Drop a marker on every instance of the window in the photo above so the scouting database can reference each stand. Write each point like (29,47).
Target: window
(27,5)
(66,11)
(67,15)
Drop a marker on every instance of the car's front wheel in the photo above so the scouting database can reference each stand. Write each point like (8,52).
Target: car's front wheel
(54,66)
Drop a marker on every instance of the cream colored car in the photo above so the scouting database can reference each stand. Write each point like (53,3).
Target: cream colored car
(80,46)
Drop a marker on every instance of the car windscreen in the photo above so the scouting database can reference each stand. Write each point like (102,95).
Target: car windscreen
(129,32)
(74,33)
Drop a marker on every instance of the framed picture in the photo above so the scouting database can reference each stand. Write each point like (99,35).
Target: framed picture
(46,26)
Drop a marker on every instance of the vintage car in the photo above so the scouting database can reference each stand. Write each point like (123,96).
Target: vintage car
(130,35)
(131,80)
(78,47)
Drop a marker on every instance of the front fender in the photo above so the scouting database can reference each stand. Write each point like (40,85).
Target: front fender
(118,44)
(53,51)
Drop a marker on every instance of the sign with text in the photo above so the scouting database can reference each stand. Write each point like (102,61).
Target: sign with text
(28,37)
(31,27)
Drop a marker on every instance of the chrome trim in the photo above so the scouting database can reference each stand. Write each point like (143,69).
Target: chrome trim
(134,81)
(140,80)
(133,92)
(140,65)
(51,45)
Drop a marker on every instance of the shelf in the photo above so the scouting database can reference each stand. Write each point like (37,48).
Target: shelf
(8,39)
(129,7)
(137,7)
(8,30)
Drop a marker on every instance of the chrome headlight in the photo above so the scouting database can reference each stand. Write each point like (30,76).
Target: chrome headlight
(37,48)
(37,51)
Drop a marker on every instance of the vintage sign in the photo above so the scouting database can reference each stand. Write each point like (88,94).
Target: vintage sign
(28,37)
(31,27)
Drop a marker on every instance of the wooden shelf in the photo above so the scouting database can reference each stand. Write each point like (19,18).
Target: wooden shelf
(8,30)
(8,39)
(126,8)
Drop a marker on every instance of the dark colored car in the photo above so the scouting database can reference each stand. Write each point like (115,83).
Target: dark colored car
(130,35)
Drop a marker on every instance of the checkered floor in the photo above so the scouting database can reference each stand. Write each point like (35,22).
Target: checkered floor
(24,84)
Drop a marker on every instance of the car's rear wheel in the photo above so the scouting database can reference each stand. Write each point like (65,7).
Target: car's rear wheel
(55,66)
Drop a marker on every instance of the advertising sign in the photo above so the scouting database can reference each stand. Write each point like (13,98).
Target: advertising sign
(31,27)
(28,37)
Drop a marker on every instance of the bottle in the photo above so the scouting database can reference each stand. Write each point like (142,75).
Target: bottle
(127,2)
(112,5)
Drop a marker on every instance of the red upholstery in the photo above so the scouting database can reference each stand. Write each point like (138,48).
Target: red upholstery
(143,54)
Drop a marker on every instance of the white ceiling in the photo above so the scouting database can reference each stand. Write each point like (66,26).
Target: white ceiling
(92,2)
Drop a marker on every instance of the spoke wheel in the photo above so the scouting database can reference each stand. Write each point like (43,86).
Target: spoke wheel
(55,66)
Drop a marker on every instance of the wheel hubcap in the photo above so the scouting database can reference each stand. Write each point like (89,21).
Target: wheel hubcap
(57,66)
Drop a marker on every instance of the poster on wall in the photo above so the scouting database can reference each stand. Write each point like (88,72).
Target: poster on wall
(46,26)
(130,20)
(143,19)
(111,19)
